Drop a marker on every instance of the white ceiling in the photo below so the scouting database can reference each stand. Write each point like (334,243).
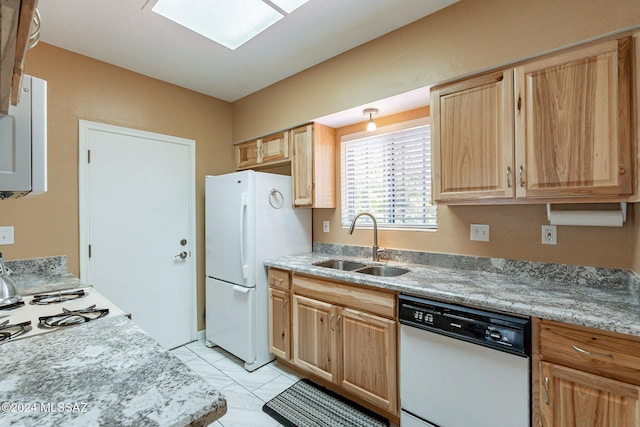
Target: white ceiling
(128,34)
(386,107)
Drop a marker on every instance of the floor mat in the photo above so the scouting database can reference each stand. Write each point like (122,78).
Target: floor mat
(306,404)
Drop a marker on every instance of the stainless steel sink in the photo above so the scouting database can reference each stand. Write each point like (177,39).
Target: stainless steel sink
(358,267)
(382,270)
(339,264)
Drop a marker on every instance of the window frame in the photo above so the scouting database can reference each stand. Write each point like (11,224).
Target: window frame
(366,223)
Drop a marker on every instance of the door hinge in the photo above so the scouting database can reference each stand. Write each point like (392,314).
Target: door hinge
(88,156)
(89,251)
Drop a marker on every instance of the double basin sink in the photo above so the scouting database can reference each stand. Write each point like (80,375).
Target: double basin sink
(358,267)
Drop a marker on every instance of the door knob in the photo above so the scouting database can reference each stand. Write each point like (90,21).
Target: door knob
(182,255)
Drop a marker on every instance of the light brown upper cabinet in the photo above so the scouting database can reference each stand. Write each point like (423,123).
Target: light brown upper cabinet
(15,27)
(313,166)
(269,150)
(472,138)
(247,154)
(557,128)
(573,123)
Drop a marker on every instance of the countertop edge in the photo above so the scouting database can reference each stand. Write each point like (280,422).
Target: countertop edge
(581,307)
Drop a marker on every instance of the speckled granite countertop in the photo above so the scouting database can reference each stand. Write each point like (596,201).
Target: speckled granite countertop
(89,375)
(106,372)
(39,275)
(610,302)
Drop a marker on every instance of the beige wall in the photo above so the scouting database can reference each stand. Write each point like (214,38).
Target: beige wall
(83,88)
(467,37)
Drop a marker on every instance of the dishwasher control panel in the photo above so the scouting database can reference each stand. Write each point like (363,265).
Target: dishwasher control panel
(495,330)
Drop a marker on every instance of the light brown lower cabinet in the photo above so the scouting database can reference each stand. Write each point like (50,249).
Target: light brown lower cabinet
(368,349)
(341,334)
(347,347)
(576,398)
(585,377)
(279,337)
(314,337)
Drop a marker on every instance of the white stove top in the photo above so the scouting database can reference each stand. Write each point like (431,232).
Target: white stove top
(33,312)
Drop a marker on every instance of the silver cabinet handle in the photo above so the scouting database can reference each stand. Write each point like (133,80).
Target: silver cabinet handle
(589,353)
(182,255)
(521,176)
(546,390)
(508,176)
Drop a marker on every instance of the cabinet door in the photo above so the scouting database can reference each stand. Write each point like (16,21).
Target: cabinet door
(314,344)
(573,123)
(572,398)
(302,166)
(274,148)
(369,360)
(247,154)
(279,326)
(472,138)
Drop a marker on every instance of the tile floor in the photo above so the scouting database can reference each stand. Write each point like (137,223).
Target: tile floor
(245,392)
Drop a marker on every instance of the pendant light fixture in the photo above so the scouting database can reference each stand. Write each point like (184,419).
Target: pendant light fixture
(371,125)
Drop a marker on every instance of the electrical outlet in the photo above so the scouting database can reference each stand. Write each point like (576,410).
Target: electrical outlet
(325,226)
(480,232)
(6,235)
(549,235)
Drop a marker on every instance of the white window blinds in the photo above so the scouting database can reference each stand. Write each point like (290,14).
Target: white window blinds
(389,175)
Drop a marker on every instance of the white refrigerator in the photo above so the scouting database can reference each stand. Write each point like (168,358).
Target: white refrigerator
(249,218)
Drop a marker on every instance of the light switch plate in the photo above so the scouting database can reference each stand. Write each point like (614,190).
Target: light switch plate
(480,232)
(325,226)
(6,235)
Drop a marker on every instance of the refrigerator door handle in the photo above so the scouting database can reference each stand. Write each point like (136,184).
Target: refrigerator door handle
(243,209)
(241,289)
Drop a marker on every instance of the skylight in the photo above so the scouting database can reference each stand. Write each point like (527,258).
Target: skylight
(229,22)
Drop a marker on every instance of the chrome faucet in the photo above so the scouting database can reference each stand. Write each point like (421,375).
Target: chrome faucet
(375,248)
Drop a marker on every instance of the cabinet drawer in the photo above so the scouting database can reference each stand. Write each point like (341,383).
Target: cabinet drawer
(369,300)
(609,355)
(279,279)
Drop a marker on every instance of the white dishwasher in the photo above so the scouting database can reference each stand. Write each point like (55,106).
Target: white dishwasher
(462,367)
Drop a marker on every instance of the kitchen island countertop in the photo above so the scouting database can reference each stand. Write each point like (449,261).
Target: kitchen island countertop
(106,372)
(611,307)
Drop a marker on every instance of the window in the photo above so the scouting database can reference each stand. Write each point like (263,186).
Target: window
(388,173)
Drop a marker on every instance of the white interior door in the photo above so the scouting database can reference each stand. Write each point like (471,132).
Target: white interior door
(137,203)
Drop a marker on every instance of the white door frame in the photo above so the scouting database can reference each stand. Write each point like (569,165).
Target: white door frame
(84,126)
